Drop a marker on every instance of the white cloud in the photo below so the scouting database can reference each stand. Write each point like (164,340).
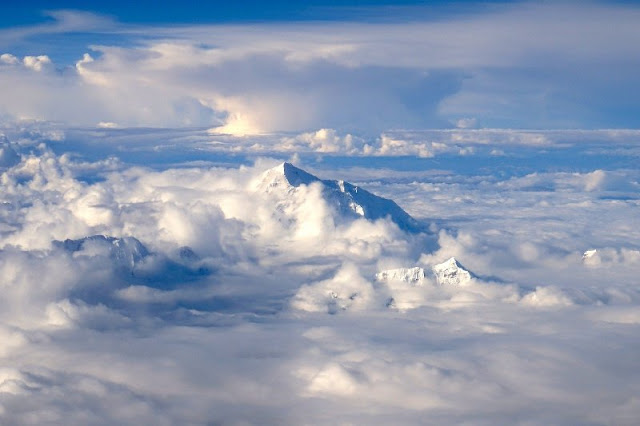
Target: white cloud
(108,125)
(546,297)
(9,59)
(466,123)
(236,328)
(252,79)
(325,141)
(347,290)
(36,63)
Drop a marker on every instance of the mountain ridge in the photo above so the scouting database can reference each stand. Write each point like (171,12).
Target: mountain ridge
(448,273)
(349,200)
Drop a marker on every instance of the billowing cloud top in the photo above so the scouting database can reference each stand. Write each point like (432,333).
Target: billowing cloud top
(262,294)
(524,65)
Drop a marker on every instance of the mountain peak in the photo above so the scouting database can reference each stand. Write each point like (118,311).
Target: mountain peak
(448,273)
(284,176)
(451,272)
(349,201)
(296,176)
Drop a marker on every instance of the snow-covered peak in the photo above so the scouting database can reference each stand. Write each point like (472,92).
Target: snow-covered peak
(591,258)
(348,200)
(448,273)
(409,275)
(451,272)
(284,176)
(296,176)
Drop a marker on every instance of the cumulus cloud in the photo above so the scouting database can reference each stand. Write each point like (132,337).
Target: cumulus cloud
(36,63)
(346,290)
(466,123)
(428,144)
(326,141)
(123,285)
(9,59)
(254,79)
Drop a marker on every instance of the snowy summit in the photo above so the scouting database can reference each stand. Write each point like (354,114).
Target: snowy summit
(348,200)
(447,273)
(451,272)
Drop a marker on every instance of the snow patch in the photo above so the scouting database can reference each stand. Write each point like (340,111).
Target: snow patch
(413,276)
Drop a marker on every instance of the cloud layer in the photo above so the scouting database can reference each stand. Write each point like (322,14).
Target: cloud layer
(219,297)
(522,65)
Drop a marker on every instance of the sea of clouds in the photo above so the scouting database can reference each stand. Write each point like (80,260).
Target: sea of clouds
(157,267)
(194,291)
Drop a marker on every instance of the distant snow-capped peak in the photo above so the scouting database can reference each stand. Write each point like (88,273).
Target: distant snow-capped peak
(451,272)
(591,258)
(447,273)
(284,176)
(413,276)
(348,200)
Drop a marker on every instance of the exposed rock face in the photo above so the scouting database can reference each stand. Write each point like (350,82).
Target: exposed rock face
(125,252)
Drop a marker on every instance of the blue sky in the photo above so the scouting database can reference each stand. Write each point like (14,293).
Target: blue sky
(353,66)
(146,11)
